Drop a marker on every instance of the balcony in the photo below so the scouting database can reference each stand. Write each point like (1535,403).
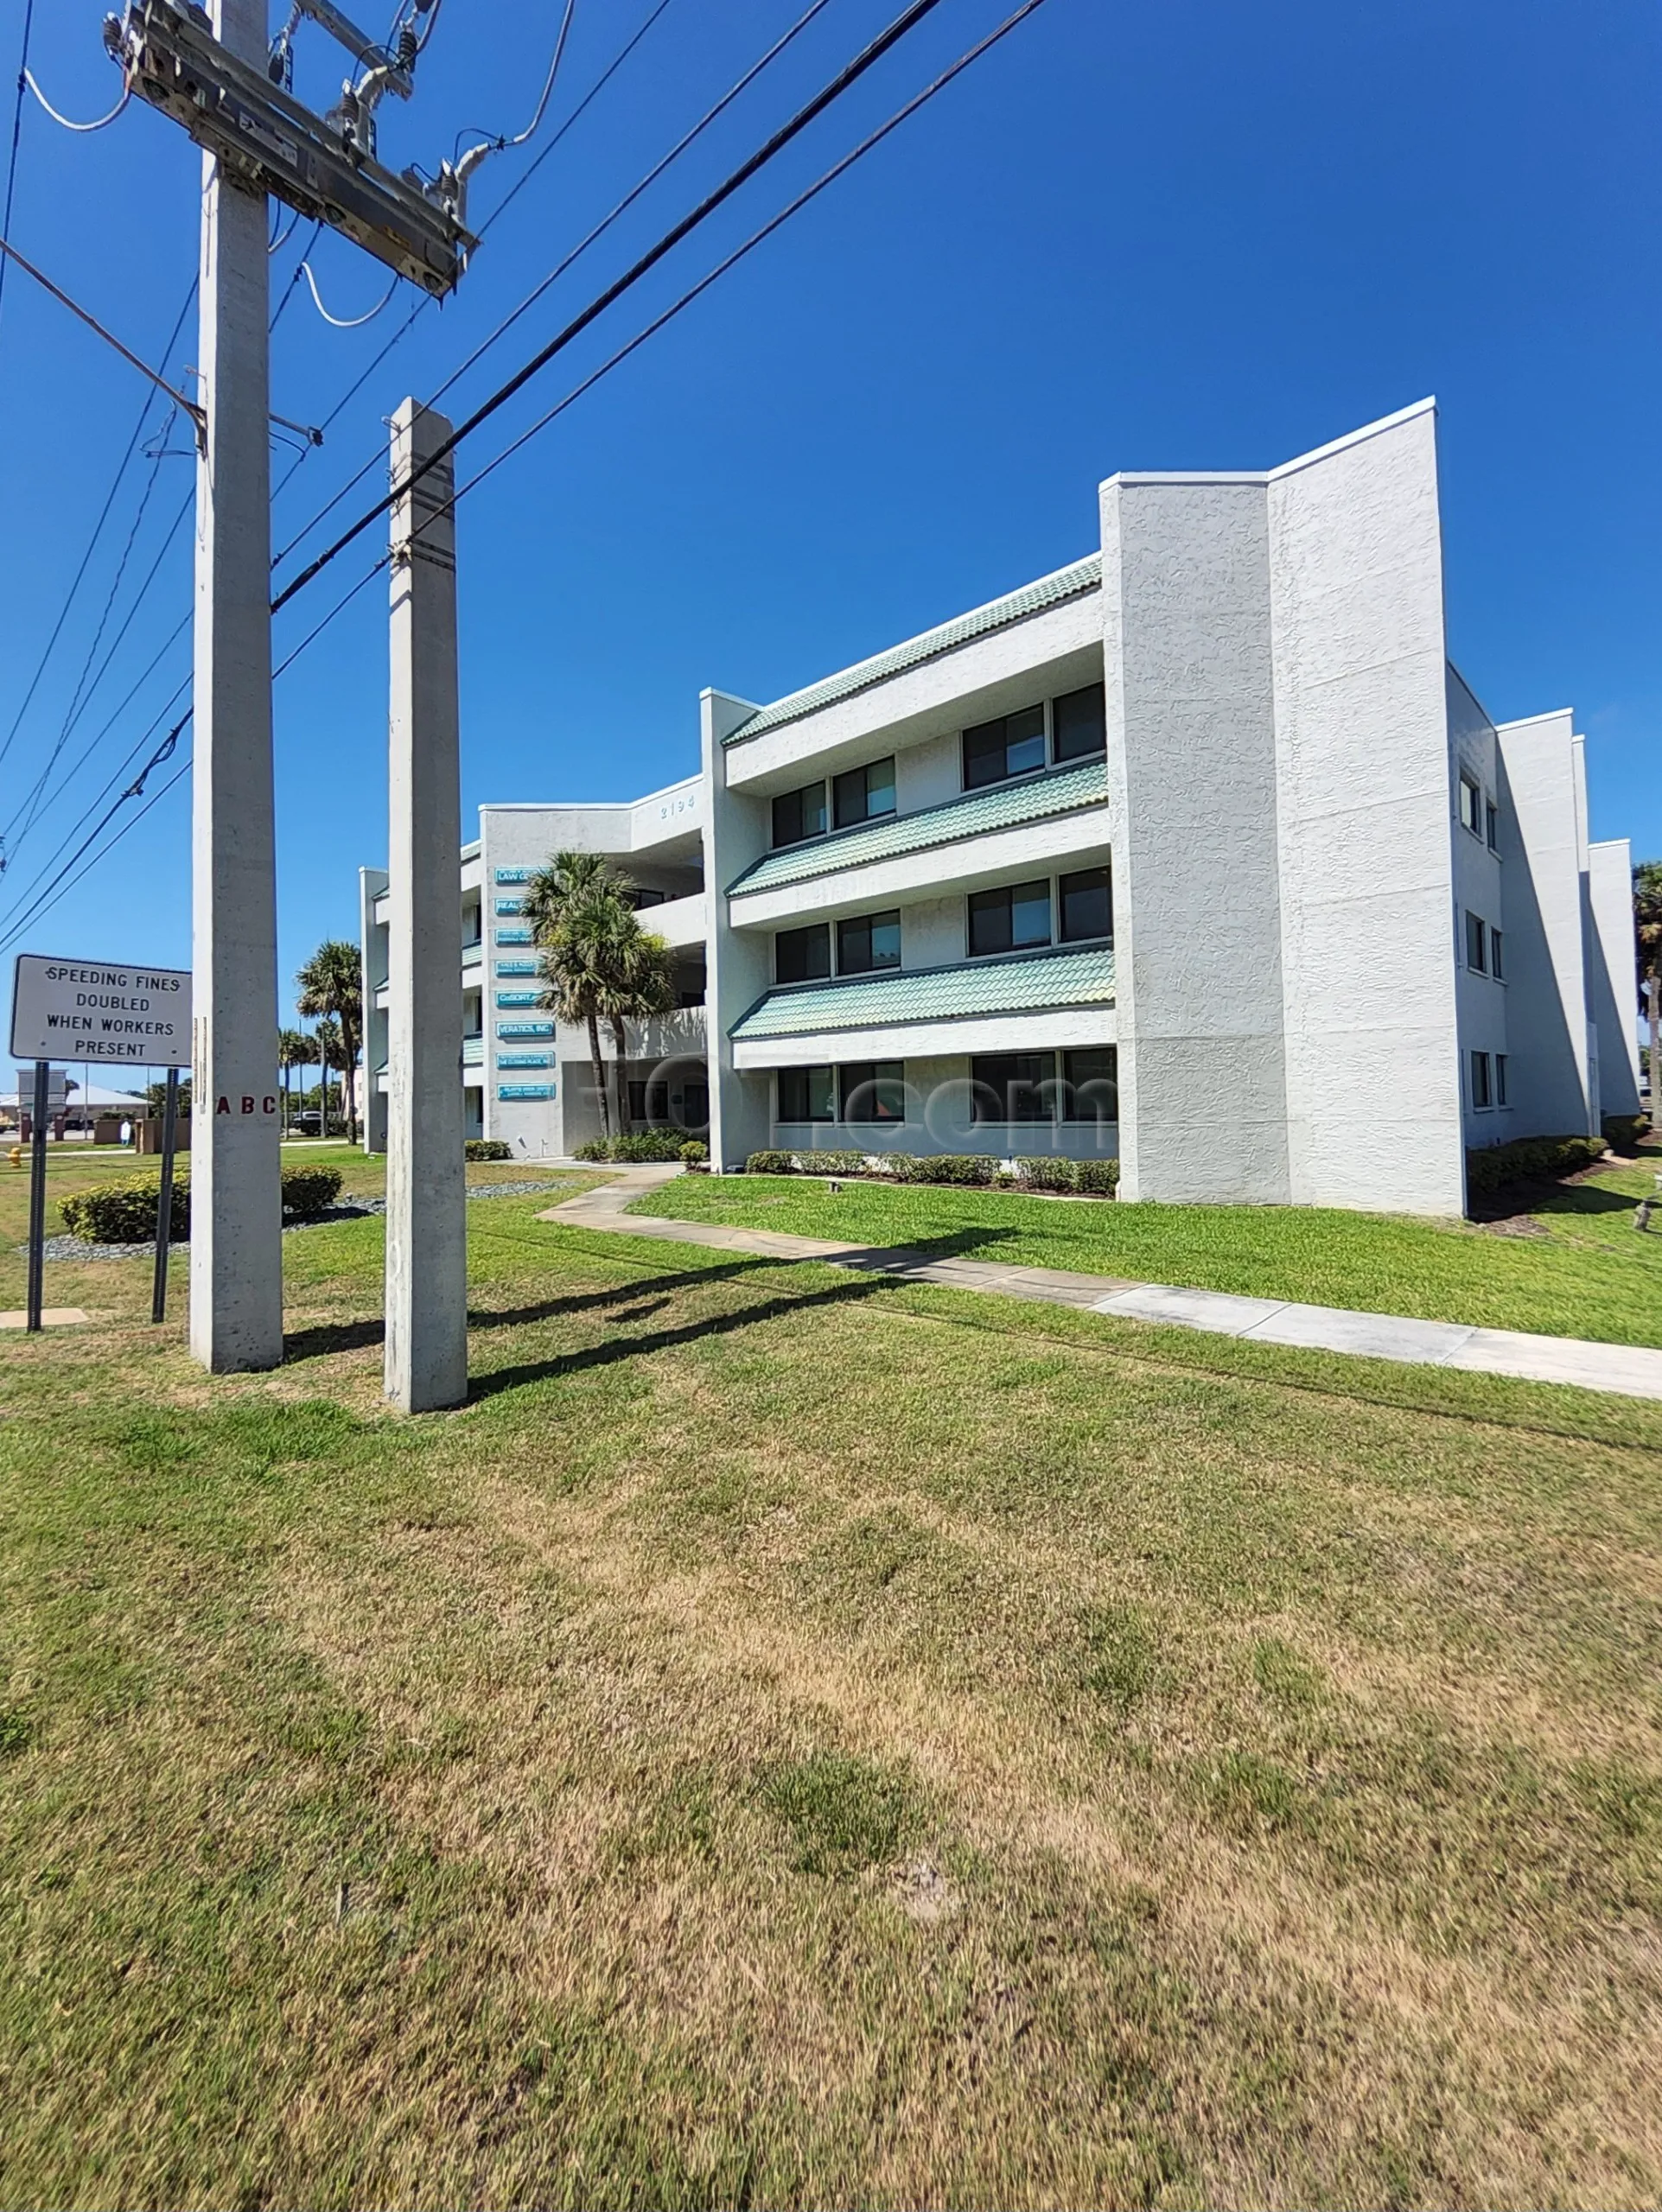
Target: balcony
(1025,1000)
(978,838)
(668,1036)
(679,922)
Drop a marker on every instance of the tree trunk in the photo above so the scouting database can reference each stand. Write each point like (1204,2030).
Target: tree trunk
(1653,993)
(597,1061)
(620,1046)
(350,1055)
(324,1091)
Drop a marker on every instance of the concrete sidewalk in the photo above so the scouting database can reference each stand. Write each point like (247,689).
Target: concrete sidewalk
(1632,1371)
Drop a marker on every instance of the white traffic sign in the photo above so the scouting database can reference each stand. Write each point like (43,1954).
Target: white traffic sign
(101,1011)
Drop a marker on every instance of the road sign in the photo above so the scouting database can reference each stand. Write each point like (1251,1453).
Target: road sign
(103,1012)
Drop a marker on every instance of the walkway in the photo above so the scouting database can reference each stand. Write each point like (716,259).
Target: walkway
(1633,1371)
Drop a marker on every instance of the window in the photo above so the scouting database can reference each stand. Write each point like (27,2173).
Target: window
(1471,806)
(649,1102)
(1013,746)
(1090,1085)
(874,1091)
(1492,817)
(1079,723)
(1499,1078)
(1476,935)
(862,793)
(807,1095)
(639,897)
(1086,910)
(1012,1086)
(1495,968)
(802,955)
(799,814)
(1004,920)
(1480,1080)
(869,941)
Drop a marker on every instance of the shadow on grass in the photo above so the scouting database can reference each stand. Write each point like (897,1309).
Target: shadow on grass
(874,1263)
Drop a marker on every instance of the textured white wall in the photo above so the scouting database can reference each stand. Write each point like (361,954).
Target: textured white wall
(1614,973)
(928,774)
(1480,1000)
(738,962)
(1541,858)
(1367,894)
(1191,780)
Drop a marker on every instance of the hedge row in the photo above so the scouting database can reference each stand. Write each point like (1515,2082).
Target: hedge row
(1094,1178)
(487,1149)
(125,1213)
(1530,1156)
(1627,1130)
(642,1146)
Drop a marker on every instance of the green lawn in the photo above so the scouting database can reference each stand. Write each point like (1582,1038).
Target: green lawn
(796,1739)
(1586,1274)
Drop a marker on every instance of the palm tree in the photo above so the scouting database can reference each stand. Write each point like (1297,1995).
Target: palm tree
(295,1050)
(329,1054)
(572,906)
(639,981)
(332,983)
(1647,929)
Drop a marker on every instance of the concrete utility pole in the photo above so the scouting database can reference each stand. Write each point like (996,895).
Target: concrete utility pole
(426,1194)
(236,1226)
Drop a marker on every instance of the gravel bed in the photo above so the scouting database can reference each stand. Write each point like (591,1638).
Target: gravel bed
(74,1248)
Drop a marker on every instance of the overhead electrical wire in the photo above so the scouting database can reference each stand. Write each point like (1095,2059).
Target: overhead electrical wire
(847,75)
(496,145)
(16,137)
(379,458)
(503,204)
(98,529)
(344,322)
(103,121)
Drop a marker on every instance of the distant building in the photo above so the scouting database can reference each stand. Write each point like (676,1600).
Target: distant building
(1198,851)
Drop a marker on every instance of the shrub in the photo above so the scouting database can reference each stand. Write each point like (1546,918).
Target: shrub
(1049,1174)
(487,1149)
(1627,1130)
(308,1190)
(1099,1179)
(641,1148)
(832,1163)
(771,1163)
(941,1167)
(124,1213)
(694,1154)
(1530,1156)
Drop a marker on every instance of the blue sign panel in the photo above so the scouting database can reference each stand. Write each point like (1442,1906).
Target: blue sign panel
(525,1029)
(513,937)
(514,874)
(524,1090)
(516,998)
(523,1060)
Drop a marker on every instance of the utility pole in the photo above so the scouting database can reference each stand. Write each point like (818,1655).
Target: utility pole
(236,1210)
(220,79)
(426,1194)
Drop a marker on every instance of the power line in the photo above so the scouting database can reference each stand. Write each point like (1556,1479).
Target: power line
(98,528)
(566,262)
(864,60)
(766,231)
(425,301)
(17,135)
(103,121)
(10,252)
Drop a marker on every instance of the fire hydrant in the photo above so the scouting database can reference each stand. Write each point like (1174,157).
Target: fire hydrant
(15,1155)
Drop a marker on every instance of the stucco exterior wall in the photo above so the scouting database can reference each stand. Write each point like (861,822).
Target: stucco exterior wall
(1192,782)
(1614,973)
(1541,857)
(739,962)
(1373,1112)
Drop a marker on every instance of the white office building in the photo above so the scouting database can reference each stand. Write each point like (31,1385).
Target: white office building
(1197,852)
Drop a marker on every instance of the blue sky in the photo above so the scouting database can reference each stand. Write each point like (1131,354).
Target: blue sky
(1198,235)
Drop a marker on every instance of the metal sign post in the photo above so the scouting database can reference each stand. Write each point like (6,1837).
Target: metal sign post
(37,1193)
(164,1201)
(103,1013)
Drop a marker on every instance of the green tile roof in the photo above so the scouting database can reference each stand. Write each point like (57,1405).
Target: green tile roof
(1019,983)
(1032,599)
(1002,806)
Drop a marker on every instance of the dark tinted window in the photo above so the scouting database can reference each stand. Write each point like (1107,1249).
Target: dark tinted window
(1014,915)
(874,1091)
(863,793)
(801,955)
(1078,723)
(799,814)
(1010,746)
(1086,909)
(807,1095)
(1474,944)
(1013,1086)
(1090,1085)
(869,941)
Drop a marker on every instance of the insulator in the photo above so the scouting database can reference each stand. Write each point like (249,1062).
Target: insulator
(409,46)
